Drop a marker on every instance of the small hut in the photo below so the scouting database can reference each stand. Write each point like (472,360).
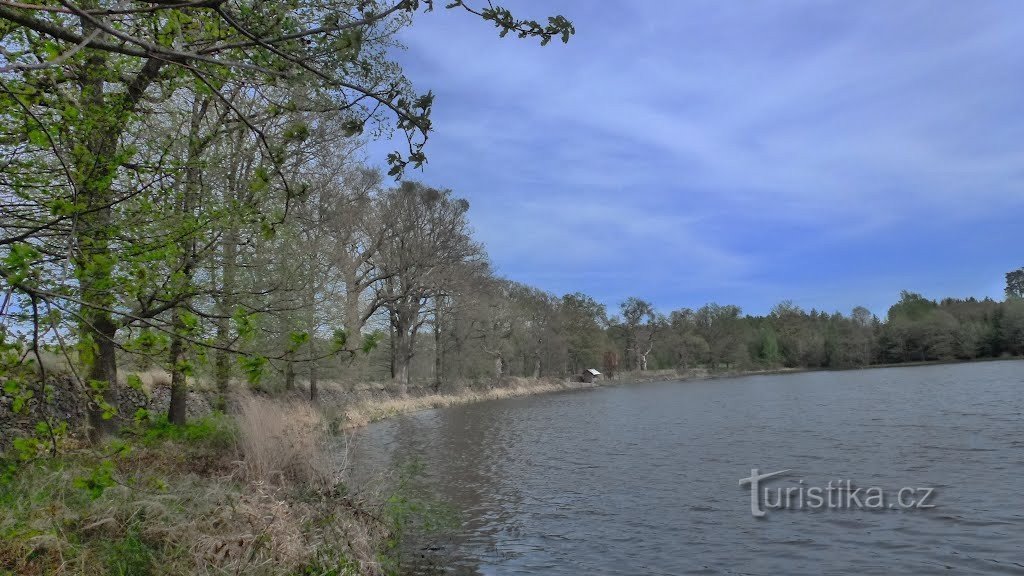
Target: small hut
(590,376)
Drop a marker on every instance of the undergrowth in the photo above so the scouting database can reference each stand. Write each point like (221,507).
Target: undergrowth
(221,495)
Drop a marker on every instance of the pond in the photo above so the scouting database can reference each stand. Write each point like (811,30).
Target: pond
(646,478)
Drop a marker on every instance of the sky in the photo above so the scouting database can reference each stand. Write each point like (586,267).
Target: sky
(685,152)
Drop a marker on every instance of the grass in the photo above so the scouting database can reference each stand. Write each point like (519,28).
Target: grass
(215,431)
(282,440)
(372,410)
(249,494)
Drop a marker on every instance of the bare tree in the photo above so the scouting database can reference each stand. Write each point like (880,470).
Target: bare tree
(431,238)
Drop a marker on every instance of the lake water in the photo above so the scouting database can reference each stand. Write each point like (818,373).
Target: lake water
(644,479)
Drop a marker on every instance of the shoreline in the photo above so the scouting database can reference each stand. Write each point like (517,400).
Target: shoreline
(362,413)
(352,416)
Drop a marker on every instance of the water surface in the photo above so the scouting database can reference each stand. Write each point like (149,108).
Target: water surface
(644,479)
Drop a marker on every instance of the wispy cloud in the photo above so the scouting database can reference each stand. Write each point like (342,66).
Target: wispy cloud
(710,145)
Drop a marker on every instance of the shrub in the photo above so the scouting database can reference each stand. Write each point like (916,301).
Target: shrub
(215,431)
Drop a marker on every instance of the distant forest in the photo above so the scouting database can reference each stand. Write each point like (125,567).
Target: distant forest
(915,329)
(532,333)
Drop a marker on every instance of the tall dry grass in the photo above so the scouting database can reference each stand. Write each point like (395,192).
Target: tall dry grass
(151,378)
(362,413)
(282,441)
(284,445)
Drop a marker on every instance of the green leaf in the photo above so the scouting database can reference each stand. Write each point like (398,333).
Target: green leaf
(338,340)
(253,367)
(134,382)
(370,342)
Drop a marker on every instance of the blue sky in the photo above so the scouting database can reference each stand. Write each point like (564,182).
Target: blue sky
(831,153)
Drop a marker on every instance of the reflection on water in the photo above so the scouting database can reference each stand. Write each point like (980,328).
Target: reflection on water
(644,479)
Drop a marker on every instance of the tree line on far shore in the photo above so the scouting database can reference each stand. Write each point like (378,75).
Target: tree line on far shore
(915,329)
(503,328)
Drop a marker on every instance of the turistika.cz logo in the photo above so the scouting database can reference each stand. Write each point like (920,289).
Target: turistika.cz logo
(835,495)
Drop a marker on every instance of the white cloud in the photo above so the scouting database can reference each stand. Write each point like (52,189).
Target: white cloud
(660,125)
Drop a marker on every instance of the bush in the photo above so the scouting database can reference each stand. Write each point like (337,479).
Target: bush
(215,431)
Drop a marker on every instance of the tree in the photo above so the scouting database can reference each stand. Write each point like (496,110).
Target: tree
(641,326)
(1015,284)
(82,79)
(583,322)
(535,333)
(1012,327)
(769,347)
(720,326)
(431,240)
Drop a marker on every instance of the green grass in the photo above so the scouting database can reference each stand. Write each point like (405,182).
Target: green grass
(213,431)
(129,555)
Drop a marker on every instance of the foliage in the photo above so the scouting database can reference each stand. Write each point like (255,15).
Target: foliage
(152,153)
(130,555)
(413,518)
(214,431)
(160,508)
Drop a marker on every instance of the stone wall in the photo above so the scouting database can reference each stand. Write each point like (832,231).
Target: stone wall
(69,404)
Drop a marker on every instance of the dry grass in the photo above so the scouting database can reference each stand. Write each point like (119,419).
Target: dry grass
(59,363)
(260,500)
(282,441)
(362,413)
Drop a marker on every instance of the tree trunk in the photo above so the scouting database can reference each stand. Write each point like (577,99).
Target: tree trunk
(438,346)
(102,374)
(313,391)
(536,365)
(93,144)
(313,364)
(176,410)
(402,357)
(311,326)
(225,305)
(394,344)
(179,386)
(499,367)
(402,353)
(402,378)
(289,371)
(229,266)
(352,310)
(95,164)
